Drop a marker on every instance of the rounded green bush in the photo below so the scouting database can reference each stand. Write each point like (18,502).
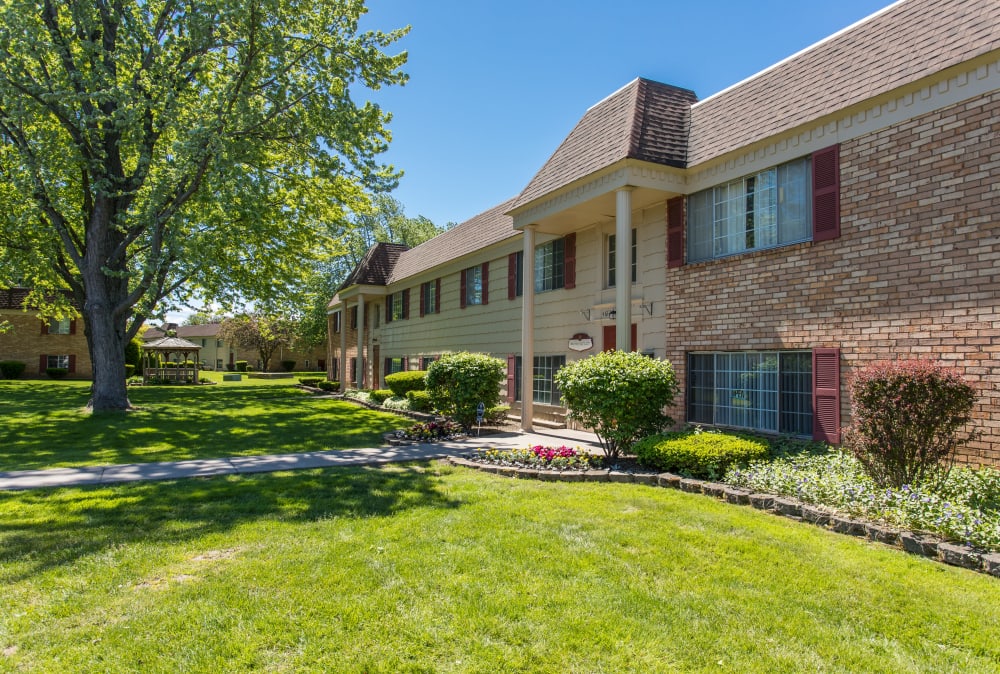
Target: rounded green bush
(12,369)
(56,372)
(401,383)
(458,382)
(379,396)
(420,401)
(310,381)
(695,453)
(129,370)
(241,366)
(329,385)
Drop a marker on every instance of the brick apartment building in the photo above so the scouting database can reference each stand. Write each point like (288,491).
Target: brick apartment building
(42,344)
(837,208)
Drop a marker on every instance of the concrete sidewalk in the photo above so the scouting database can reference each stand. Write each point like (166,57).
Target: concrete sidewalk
(236,465)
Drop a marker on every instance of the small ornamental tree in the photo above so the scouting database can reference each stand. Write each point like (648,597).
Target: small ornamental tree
(620,395)
(458,382)
(908,419)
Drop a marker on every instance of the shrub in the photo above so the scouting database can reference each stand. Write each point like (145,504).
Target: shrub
(700,454)
(169,364)
(620,395)
(908,419)
(287,365)
(11,369)
(401,383)
(420,401)
(230,367)
(310,381)
(396,403)
(458,382)
(496,415)
(129,370)
(56,372)
(241,366)
(188,363)
(329,385)
(379,396)
(432,430)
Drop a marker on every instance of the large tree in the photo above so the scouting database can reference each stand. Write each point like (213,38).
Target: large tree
(154,148)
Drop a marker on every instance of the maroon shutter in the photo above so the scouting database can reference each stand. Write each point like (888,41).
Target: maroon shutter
(388,309)
(72,363)
(512,276)
(423,292)
(72,327)
(461,289)
(569,261)
(45,327)
(406,363)
(437,296)
(406,303)
(43,363)
(675,232)
(486,282)
(826,395)
(826,193)
(511,379)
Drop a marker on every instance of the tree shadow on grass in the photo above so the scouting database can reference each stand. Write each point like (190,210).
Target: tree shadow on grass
(51,528)
(176,423)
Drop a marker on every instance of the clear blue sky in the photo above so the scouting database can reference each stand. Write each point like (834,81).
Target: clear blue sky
(496,86)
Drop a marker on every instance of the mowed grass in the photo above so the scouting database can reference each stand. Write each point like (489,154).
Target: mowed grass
(44,424)
(423,567)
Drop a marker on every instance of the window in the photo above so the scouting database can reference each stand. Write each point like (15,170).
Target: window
(60,326)
(57,361)
(397,306)
(425,361)
(218,343)
(429,297)
(354,317)
(549,266)
(612,251)
(218,363)
(204,342)
(761,390)
(515,278)
(764,210)
(543,387)
(394,365)
(307,365)
(473,286)
(336,322)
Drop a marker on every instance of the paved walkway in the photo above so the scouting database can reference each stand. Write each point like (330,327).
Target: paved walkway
(236,465)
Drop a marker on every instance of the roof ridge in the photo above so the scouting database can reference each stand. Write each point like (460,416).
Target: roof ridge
(802,51)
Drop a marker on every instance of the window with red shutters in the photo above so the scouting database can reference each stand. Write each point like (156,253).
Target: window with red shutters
(675,232)
(826,395)
(512,276)
(406,304)
(569,261)
(423,303)
(826,193)
(486,282)
(462,289)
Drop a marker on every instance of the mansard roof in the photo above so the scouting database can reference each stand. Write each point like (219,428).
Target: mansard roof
(376,266)
(643,120)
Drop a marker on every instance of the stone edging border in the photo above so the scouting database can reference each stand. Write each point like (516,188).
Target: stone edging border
(914,543)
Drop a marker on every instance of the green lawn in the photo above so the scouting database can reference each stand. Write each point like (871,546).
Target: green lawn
(428,568)
(44,424)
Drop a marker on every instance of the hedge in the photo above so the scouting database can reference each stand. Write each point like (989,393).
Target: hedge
(701,454)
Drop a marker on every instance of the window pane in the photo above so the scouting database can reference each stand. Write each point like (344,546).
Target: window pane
(474,285)
(699,234)
(701,388)
(796,393)
(544,389)
(794,197)
(549,272)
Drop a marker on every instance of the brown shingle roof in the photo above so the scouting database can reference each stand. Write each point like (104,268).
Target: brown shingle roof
(898,46)
(643,120)
(485,229)
(376,266)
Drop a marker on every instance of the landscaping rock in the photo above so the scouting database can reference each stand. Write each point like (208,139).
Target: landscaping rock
(619,476)
(645,478)
(737,496)
(489,468)
(714,489)
(845,525)
(919,545)
(669,480)
(991,564)
(881,533)
(762,501)
(596,476)
(815,514)
(527,473)
(548,475)
(691,486)
(959,555)
(571,476)
(788,507)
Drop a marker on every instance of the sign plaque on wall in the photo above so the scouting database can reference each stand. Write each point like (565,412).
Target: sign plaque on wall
(581,341)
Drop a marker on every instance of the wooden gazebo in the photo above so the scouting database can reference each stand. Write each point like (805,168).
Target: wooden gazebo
(160,350)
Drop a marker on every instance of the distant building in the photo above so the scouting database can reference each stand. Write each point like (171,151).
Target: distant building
(220,354)
(41,345)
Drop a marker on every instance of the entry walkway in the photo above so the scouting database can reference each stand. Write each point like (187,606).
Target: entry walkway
(237,465)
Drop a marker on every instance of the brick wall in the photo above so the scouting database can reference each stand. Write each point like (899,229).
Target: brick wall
(26,343)
(915,273)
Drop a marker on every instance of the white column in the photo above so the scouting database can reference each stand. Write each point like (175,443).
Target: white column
(342,373)
(623,268)
(360,383)
(528,328)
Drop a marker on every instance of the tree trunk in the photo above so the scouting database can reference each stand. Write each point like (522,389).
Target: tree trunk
(106,340)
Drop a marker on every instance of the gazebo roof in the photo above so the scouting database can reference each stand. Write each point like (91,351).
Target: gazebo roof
(171,344)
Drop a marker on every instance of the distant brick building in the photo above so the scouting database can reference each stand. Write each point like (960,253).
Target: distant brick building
(42,344)
(839,207)
(218,353)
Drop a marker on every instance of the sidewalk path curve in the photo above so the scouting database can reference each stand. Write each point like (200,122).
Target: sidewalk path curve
(236,465)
